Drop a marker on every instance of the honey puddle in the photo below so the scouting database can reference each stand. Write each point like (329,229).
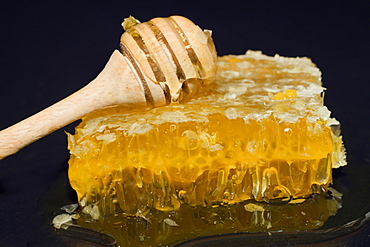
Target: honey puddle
(160,228)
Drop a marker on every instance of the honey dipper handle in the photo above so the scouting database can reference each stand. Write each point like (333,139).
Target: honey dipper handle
(117,84)
(43,123)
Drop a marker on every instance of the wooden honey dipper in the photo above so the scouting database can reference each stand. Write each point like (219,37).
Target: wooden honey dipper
(161,61)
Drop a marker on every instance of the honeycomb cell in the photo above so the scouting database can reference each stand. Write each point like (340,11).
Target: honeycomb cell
(260,131)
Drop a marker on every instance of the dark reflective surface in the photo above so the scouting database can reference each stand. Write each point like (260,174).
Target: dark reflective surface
(50,50)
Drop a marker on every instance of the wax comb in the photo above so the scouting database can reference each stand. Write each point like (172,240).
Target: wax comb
(260,132)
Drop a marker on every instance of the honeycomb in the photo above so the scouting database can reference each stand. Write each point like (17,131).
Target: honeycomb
(260,131)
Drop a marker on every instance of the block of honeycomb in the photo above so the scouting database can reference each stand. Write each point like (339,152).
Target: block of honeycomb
(260,131)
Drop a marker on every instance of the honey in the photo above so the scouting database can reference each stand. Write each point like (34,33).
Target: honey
(159,228)
(260,131)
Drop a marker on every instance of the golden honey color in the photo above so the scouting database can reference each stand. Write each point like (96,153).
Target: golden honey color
(260,131)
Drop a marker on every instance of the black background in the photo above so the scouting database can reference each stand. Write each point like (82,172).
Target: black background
(51,49)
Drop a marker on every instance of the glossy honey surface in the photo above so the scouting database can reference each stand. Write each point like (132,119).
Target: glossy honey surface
(159,228)
(259,132)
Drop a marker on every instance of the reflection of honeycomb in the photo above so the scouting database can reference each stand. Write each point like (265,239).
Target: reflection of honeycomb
(260,131)
(159,228)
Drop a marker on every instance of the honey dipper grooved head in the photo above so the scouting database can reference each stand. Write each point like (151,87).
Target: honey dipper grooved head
(162,61)
(170,51)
